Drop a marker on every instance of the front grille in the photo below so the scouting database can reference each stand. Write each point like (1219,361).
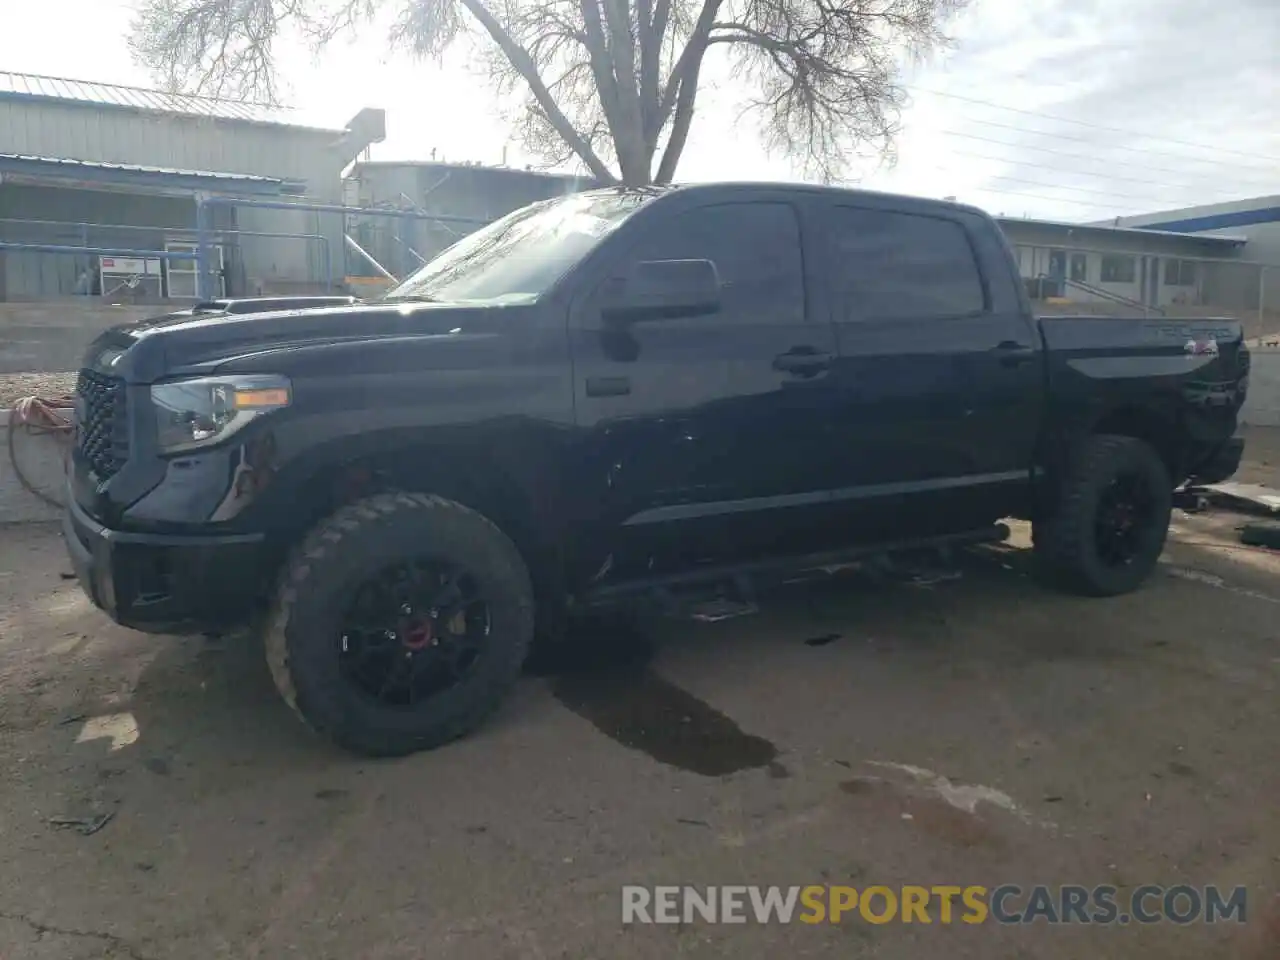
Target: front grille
(102,423)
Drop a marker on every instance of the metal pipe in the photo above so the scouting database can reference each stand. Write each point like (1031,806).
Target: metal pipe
(1262,299)
(84,240)
(84,229)
(333,208)
(368,256)
(102,251)
(203,216)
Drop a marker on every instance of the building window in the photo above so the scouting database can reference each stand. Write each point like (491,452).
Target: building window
(1080,267)
(1118,269)
(1179,273)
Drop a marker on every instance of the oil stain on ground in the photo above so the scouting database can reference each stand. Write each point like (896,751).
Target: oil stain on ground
(606,679)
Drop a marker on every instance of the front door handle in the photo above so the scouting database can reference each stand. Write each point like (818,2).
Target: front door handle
(1012,353)
(803,360)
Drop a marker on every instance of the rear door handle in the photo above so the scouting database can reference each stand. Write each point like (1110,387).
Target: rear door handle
(1012,353)
(802,360)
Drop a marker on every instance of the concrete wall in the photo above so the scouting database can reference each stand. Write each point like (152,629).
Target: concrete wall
(1262,404)
(50,336)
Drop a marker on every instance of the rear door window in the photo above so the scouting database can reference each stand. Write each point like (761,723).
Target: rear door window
(890,265)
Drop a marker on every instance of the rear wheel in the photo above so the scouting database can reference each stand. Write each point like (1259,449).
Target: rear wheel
(400,624)
(1111,520)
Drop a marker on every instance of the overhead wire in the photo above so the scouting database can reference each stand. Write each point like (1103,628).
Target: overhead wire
(1077,189)
(1216,148)
(1239,178)
(1090,157)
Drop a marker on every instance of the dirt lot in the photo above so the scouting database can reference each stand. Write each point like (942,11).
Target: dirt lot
(1127,741)
(47,386)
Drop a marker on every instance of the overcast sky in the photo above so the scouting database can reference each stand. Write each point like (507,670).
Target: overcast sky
(1064,109)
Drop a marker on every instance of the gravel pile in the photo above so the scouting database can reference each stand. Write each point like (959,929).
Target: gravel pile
(47,386)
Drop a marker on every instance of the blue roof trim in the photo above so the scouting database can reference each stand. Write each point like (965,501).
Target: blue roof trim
(135,174)
(1122,229)
(1216,221)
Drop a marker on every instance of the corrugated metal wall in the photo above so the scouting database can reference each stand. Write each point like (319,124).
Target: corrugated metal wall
(96,133)
(85,132)
(27,275)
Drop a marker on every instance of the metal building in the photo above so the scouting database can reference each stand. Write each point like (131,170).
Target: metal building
(100,185)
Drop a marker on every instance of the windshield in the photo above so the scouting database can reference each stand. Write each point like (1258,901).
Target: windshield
(519,257)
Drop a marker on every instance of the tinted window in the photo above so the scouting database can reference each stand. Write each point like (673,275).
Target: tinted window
(897,265)
(756,250)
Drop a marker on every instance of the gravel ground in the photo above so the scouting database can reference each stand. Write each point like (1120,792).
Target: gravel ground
(47,386)
(975,730)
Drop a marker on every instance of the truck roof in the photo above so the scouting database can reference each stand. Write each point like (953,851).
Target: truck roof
(728,189)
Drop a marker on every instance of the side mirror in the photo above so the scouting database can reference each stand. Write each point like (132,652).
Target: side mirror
(663,289)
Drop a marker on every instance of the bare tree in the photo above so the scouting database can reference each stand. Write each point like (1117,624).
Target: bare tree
(613,83)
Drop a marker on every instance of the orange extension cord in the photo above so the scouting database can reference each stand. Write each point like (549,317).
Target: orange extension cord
(35,415)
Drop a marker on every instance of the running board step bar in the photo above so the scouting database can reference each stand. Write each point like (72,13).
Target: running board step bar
(744,576)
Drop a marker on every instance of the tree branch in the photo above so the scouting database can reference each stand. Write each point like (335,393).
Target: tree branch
(524,65)
(682,91)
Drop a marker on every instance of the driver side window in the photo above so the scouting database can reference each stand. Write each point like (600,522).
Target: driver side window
(756,250)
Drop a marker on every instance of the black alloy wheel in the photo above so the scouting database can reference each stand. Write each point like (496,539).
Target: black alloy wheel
(1126,509)
(413,631)
(1103,532)
(400,623)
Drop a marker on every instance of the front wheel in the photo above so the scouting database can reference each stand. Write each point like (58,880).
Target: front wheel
(1105,533)
(401,622)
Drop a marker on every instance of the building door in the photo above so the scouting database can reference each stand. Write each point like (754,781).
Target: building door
(1057,273)
(181,275)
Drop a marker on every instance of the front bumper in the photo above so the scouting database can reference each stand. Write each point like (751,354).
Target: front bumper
(164,583)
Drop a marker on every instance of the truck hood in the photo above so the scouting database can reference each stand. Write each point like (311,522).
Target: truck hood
(177,345)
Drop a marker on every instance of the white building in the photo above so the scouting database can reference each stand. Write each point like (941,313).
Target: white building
(1256,221)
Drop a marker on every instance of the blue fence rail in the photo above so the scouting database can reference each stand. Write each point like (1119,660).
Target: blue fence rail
(64,252)
(85,241)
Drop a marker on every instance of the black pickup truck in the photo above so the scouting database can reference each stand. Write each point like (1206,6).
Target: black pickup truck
(613,395)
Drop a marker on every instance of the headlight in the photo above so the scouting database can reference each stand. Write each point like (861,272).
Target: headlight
(197,413)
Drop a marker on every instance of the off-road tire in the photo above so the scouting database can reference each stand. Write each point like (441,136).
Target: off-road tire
(303,629)
(1066,540)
